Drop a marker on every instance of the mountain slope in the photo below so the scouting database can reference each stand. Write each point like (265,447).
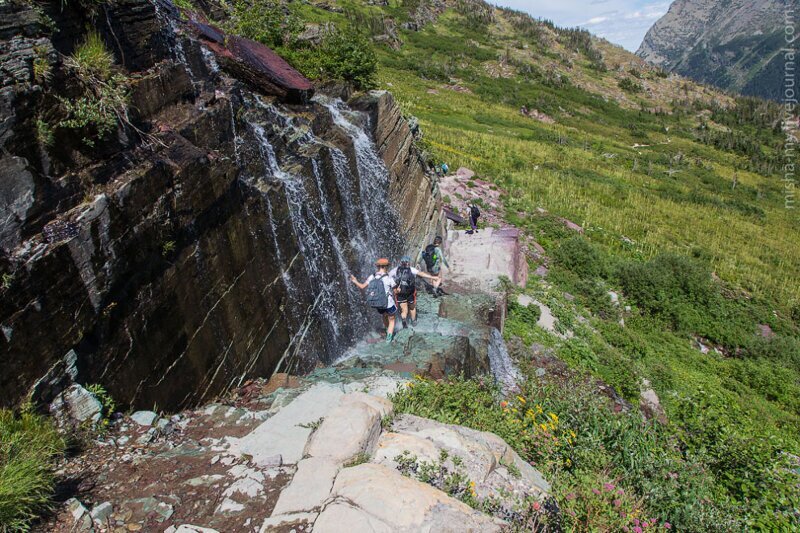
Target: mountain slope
(734,45)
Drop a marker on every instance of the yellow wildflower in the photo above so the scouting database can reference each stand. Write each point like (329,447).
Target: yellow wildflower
(543,426)
(554,417)
(572,433)
(521,399)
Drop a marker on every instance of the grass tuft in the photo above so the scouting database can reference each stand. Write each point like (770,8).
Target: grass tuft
(29,445)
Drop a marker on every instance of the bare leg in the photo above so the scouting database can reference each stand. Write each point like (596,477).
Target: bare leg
(404,311)
(413,309)
(390,328)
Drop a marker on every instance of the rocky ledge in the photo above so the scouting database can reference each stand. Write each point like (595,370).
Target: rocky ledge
(332,458)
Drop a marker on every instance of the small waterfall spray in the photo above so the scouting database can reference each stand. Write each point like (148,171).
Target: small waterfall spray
(322,209)
(503,368)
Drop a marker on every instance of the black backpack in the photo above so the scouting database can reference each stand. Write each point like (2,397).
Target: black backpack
(406,281)
(429,255)
(376,293)
(475,212)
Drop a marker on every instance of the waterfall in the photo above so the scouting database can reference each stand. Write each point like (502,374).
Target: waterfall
(380,217)
(503,368)
(339,215)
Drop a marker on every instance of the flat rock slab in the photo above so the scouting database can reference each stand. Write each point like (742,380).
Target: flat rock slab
(348,430)
(287,432)
(401,503)
(309,487)
(477,261)
(475,447)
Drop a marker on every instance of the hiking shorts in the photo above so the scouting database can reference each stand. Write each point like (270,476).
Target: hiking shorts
(388,311)
(409,299)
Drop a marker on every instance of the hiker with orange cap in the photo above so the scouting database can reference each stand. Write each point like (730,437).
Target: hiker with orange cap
(380,294)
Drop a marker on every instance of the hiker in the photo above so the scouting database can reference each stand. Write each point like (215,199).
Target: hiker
(380,287)
(445,169)
(405,279)
(433,257)
(474,214)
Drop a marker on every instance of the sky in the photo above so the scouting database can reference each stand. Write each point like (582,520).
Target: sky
(623,22)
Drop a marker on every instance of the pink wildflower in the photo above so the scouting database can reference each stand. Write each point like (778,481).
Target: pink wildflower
(536,506)
(570,496)
(625,528)
(667,525)
(637,529)
(596,491)
(620,492)
(609,487)
(636,521)
(617,503)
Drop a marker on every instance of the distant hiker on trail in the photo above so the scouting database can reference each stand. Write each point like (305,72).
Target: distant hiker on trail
(433,257)
(474,214)
(405,278)
(380,287)
(445,169)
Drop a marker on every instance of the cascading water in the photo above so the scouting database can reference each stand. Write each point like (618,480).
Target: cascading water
(503,368)
(336,233)
(380,217)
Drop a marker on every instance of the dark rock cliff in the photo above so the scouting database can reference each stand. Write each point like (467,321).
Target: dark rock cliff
(207,241)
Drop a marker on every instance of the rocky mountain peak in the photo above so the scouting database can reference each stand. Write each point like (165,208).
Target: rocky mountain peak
(734,45)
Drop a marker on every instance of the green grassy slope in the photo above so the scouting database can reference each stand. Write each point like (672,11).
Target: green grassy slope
(679,190)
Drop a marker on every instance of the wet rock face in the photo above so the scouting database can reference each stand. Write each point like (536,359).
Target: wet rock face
(179,263)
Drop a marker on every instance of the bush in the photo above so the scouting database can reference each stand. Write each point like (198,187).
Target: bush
(349,58)
(630,86)
(670,286)
(582,258)
(267,22)
(29,444)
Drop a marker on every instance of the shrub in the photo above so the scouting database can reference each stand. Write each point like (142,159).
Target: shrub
(29,444)
(581,257)
(669,286)
(630,86)
(267,22)
(349,58)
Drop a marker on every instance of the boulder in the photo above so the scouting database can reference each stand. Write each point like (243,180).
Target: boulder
(650,404)
(101,512)
(390,445)
(465,173)
(309,487)
(76,405)
(350,429)
(403,503)
(144,418)
(382,405)
(341,517)
(255,64)
(287,432)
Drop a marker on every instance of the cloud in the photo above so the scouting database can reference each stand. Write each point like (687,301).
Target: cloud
(623,22)
(594,20)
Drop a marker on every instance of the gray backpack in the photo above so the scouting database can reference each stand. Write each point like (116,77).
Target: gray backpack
(376,294)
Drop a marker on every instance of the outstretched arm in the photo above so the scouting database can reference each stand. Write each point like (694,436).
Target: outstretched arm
(358,283)
(427,276)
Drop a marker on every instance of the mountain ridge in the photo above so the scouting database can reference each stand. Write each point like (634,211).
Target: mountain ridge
(732,45)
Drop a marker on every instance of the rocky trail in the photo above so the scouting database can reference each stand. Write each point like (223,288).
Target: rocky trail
(324,451)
